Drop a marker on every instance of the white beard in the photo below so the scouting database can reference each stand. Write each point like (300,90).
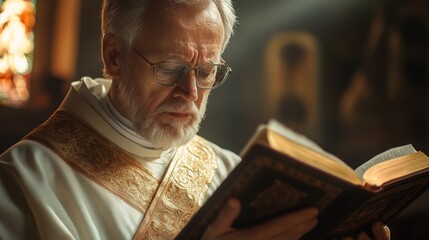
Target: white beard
(147,124)
(176,132)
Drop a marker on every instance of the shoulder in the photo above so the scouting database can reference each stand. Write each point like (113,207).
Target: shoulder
(25,176)
(226,162)
(225,157)
(29,158)
(25,150)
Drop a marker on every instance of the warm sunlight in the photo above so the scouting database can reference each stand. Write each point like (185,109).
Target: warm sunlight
(17,19)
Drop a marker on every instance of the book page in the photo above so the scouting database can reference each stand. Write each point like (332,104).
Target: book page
(300,139)
(384,156)
(304,150)
(396,168)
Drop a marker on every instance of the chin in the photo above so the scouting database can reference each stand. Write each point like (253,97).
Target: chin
(171,134)
(180,133)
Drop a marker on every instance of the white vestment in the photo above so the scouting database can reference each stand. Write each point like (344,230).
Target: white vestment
(47,191)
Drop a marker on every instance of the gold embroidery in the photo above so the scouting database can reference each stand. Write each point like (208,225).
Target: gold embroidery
(167,206)
(182,194)
(98,159)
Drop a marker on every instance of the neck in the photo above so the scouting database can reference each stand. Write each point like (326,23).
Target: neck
(116,102)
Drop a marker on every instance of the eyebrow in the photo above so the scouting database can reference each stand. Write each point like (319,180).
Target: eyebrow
(178,57)
(179,60)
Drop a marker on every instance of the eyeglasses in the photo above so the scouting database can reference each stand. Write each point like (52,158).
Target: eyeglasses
(170,73)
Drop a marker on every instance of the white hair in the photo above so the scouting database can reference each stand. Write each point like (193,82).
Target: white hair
(122,17)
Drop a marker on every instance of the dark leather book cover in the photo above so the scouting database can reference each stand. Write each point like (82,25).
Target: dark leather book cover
(383,205)
(269,184)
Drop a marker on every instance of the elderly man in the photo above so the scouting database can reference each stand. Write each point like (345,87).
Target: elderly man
(120,158)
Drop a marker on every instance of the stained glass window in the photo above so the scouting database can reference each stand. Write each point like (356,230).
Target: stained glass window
(17,20)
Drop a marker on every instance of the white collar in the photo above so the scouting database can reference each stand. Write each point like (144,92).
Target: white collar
(87,99)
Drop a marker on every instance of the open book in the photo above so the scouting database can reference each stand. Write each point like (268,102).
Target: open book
(283,171)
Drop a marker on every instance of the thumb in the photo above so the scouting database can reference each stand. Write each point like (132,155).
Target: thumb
(223,222)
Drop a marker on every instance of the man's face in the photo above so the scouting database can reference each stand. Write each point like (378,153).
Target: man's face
(170,115)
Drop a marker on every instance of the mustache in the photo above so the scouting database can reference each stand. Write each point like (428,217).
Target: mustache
(178,106)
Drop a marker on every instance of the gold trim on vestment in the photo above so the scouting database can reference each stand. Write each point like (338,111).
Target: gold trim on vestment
(181,192)
(167,205)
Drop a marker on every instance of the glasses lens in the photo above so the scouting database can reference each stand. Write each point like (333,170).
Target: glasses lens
(208,75)
(221,74)
(167,73)
(214,75)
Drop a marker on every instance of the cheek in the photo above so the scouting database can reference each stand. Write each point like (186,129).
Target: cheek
(202,97)
(151,96)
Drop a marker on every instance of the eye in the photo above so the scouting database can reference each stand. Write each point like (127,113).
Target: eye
(206,70)
(169,68)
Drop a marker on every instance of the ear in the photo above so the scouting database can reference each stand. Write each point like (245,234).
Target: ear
(111,56)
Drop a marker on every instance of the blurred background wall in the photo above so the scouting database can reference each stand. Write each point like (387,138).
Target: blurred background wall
(352,75)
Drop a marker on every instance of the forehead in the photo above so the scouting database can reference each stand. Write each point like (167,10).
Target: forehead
(166,22)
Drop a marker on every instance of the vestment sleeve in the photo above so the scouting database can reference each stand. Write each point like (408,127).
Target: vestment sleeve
(27,194)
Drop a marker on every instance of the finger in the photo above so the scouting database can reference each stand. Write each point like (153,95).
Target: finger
(363,236)
(223,222)
(380,231)
(387,230)
(298,231)
(287,222)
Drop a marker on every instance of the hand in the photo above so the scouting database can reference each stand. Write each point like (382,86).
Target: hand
(379,231)
(290,226)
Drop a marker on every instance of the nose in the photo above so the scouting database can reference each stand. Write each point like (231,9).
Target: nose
(187,87)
